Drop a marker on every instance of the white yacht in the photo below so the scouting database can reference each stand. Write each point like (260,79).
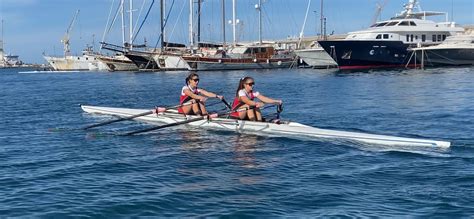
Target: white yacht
(385,44)
(455,50)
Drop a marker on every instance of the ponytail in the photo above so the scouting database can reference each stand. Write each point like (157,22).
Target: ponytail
(241,84)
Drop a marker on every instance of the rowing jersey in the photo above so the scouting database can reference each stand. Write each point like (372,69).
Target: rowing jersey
(238,103)
(185,98)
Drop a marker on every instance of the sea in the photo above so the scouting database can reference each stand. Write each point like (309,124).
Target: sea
(49,168)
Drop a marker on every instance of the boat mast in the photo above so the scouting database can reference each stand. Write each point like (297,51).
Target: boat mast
(122,15)
(162,27)
(199,23)
(223,23)
(131,24)
(259,9)
(233,22)
(191,32)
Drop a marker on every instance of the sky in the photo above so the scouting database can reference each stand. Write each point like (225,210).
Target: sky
(34,27)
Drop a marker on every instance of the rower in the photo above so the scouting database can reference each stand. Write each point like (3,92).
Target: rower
(193,98)
(245,99)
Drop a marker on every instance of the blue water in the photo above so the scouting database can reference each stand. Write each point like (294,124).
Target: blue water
(196,173)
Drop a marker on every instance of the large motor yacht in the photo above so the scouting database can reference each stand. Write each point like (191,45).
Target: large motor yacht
(385,44)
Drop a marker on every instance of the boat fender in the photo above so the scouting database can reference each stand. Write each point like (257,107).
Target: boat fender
(279,62)
(254,60)
(268,60)
(220,60)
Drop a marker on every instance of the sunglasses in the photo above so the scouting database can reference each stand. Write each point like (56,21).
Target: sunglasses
(195,79)
(251,83)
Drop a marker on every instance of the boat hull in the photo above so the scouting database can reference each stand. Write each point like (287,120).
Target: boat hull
(289,129)
(70,63)
(367,54)
(316,58)
(446,56)
(210,64)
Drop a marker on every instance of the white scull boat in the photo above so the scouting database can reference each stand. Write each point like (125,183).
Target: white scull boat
(267,128)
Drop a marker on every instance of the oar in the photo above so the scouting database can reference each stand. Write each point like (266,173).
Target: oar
(214,115)
(156,110)
(171,124)
(226,104)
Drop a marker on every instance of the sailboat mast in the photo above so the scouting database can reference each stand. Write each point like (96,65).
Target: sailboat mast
(191,31)
(131,25)
(223,23)
(123,21)
(259,8)
(162,27)
(233,22)
(199,23)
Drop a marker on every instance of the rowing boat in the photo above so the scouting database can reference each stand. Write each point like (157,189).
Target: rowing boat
(287,129)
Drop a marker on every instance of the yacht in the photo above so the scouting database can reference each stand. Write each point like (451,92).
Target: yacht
(385,44)
(455,50)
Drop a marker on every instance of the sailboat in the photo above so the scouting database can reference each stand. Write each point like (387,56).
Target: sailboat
(258,55)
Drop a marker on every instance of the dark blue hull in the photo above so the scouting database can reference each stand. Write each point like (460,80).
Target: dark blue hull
(357,54)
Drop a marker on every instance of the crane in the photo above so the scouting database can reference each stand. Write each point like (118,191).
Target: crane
(66,37)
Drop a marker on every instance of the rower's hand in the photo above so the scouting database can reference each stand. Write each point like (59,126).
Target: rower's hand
(202,99)
(279,102)
(220,97)
(259,105)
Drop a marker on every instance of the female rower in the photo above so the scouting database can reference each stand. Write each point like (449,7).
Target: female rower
(192,98)
(245,99)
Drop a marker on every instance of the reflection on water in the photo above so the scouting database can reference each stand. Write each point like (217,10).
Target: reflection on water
(245,147)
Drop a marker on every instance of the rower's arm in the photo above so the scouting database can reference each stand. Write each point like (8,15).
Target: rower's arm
(268,100)
(248,101)
(208,94)
(192,95)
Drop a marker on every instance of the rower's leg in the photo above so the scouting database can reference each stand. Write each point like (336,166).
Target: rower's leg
(251,114)
(258,115)
(186,109)
(196,109)
(203,108)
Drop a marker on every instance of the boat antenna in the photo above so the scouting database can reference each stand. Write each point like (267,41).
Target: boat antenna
(304,24)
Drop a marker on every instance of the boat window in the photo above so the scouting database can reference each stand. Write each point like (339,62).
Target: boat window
(263,50)
(434,38)
(416,37)
(385,36)
(444,37)
(403,23)
(408,37)
(423,38)
(412,23)
(87,58)
(381,24)
(77,58)
(379,36)
(411,38)
(393,23)
(439,37)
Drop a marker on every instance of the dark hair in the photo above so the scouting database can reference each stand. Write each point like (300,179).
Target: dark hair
(189,77)
(241,84)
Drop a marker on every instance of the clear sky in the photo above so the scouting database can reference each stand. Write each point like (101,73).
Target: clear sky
(32,27)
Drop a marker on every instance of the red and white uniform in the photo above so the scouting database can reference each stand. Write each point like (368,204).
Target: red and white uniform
(238,103)
(185,98)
